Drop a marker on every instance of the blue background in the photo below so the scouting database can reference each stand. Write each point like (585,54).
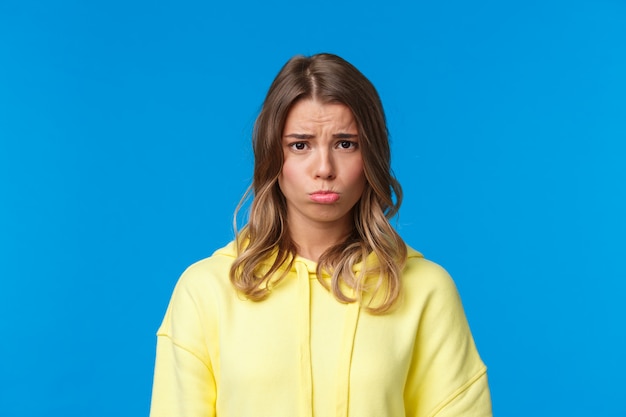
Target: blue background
(124,149)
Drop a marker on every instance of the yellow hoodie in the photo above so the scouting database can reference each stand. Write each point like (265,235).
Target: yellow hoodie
(302,353)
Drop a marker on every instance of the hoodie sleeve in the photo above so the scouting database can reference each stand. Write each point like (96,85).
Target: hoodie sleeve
(184,383)
(447,378)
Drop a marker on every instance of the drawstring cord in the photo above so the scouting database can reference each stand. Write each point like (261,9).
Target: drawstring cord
(345,358)
(304,324)
(347,345)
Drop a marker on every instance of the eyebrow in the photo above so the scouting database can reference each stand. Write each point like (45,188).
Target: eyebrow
(304,136)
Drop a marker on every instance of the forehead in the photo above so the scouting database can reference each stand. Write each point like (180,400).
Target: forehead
(311,113)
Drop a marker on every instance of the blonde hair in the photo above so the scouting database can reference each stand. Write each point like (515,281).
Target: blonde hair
(329,79)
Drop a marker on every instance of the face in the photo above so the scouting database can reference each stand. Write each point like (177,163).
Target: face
(322,176)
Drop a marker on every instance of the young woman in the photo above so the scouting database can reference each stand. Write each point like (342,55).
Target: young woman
(318,308)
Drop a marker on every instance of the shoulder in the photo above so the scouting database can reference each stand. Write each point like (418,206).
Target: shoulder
(215,267)
(428,288)
(204,281)
(197,294)
(425,274)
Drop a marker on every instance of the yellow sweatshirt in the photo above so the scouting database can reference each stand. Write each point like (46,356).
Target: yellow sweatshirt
(302,353)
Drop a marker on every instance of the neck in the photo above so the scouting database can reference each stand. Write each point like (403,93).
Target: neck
(313,240)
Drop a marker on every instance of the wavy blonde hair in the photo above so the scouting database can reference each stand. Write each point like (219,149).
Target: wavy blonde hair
(329,79)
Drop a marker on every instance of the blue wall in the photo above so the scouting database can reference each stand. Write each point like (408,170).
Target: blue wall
(124,148)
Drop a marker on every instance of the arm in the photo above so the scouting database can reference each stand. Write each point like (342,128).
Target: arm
(447,378)
(473,400)
(183,384)
(184,380)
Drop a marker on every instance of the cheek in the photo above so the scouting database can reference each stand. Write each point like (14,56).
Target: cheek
(288,174)
(285,172)
(357,174)
(354,181)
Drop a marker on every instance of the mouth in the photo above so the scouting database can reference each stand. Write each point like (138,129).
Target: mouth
(324,197)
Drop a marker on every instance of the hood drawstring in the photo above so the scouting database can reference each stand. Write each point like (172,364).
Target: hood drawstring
(345,358)
(351,320)
(304,324)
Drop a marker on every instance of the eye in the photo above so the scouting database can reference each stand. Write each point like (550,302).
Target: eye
(347,144)
(298,146)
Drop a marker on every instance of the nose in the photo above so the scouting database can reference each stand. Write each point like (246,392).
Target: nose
(324,165)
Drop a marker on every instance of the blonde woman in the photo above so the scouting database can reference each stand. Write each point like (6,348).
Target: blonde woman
(318,308)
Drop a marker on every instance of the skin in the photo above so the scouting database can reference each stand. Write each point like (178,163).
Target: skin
(322,176)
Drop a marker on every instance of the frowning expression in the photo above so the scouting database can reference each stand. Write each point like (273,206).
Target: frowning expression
(322,176)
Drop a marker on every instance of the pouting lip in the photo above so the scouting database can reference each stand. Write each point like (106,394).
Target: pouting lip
(324,197)
(324,192)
